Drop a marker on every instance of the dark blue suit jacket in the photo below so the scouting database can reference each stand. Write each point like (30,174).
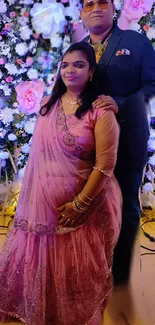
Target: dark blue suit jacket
(130,80)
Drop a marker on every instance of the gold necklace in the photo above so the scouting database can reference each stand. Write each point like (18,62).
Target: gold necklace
(71,103)
(100,48)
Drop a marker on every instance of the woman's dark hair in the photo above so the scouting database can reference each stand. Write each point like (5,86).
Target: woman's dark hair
(91,90)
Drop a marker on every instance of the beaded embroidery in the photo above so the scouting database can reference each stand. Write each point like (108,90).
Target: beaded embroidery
(70,139)
(39,229)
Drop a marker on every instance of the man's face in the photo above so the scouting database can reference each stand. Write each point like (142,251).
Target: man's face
(97,15)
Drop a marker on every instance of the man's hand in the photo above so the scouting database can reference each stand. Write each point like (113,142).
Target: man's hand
(105,102)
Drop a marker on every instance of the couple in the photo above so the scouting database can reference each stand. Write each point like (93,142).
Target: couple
(55,267)
(56,264)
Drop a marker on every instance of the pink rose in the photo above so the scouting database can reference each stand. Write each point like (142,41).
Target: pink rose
(12,14)
(26,14)
(133,11)
(29,95)
(36,36)
(8,26)
(137,3)
(146,28)
(2,61)
(19,61)
(29,61)
(9,79)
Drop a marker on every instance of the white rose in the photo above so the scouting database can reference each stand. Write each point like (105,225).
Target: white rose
(32,74)
(3,7)
(16,111)
(149,176)
(23,21)
(26,2)
(15,104)
(25,148)
(2,133)
(152,106)
(73,10)
(48,18)
(151,144)
(151,33)
(152,160)
(55,40)
(26,32)
(21,172)
(29,126)
(135,26)
(12,69)
(3,162)
(32,45)
(50,78)
(147,187)
(12,137)
(118,4)
(152,133)
(66,43)
(11,2)
(6,115)
(4,155)
(7,90)
(21,49)
(19,126)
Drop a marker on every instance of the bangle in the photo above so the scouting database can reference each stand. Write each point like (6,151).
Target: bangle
(79,196)
(87,197)
(77,206)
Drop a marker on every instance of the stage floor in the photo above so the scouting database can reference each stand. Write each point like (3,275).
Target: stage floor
(134,305)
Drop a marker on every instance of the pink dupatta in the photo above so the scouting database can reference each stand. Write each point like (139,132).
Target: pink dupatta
(54,175)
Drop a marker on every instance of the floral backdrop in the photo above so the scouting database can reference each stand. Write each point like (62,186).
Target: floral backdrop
(33,36)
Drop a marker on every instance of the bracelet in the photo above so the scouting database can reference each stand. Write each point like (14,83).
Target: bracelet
(79,196)
(77,206)
(100,170)
(87,197)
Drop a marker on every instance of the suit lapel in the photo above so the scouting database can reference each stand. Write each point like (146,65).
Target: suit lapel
(114,40)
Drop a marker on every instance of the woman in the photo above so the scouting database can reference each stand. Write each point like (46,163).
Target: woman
(55,268)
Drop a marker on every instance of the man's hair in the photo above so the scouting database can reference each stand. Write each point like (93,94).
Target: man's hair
(82,1)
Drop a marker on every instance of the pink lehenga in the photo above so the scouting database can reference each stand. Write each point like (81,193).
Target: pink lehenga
(50,275)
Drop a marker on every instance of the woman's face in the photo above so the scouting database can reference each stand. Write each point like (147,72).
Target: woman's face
(75,71)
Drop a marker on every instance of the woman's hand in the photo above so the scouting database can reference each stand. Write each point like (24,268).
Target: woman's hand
(105,102)
(68,216)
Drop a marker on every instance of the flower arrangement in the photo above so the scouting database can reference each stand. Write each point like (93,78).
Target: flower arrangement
(132,11)
(33,36)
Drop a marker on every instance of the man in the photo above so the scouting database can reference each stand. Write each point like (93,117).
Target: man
(127,63)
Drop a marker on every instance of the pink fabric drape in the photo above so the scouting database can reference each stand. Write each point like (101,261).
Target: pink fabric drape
(51,275)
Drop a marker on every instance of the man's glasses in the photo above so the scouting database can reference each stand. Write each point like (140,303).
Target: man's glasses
(89,6)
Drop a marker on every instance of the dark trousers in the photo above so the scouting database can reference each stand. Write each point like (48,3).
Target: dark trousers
(130,182)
